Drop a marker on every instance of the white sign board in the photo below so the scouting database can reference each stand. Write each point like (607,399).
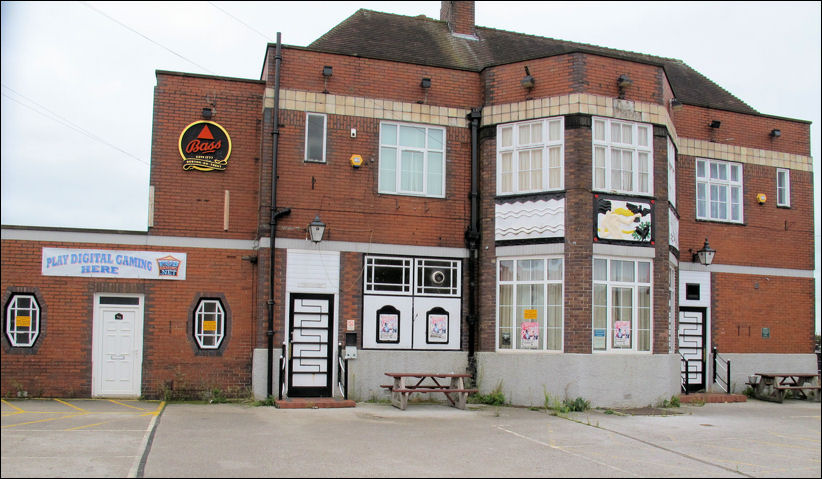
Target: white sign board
(96,263)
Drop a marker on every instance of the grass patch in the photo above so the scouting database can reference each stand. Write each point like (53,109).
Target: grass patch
(493,398)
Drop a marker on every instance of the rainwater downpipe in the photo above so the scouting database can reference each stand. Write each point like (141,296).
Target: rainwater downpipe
(274,215)
(472,237)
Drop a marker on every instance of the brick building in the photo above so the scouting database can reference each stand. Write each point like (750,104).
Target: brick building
(523,208)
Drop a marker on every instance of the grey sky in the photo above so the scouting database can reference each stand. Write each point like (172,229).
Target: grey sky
(78,77)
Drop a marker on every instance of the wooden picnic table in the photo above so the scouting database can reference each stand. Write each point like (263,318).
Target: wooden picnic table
(406,384)
(773,386)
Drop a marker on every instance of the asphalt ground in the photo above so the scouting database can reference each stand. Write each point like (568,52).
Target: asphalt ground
(102,438)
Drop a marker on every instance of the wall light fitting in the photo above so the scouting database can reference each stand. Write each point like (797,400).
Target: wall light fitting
(327,72)
(623,82)
(776,133)
(705,255)
(207,113)
(676,104)
(715,124)
(527,80)
(316,229)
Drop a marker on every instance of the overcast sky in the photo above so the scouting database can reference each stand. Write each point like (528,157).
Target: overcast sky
(78,77)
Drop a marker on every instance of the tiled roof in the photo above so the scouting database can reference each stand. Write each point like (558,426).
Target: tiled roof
(425,41)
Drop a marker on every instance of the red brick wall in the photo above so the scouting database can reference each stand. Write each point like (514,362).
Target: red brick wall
(552,76)
(369,78)
(62,364)
(744,304)
(747,131)
(191,203)
(601,74)
(770,236)
(346,198)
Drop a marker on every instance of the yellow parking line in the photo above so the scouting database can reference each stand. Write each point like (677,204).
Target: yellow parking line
(87,425)
(44,420)
(11,405)
(126,405)
(70,405)
(156,411)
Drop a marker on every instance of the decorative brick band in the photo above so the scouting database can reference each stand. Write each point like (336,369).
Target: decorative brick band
(574,103)
(368,108)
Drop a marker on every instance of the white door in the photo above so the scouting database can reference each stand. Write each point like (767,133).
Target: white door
(118,342)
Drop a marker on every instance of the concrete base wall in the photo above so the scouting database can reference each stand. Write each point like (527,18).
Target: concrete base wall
(744,365)
(259,373)
(606,380)
(367,372)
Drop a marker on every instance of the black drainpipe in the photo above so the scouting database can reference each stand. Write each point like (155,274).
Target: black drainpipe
(472,240)
(274,215)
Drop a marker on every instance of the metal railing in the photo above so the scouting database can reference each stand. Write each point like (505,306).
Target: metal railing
(282,370)
(723,382)
(342,372)
(683,381)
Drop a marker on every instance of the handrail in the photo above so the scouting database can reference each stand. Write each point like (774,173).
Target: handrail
(282,370)
(727,368)
(684,383)
(342,372)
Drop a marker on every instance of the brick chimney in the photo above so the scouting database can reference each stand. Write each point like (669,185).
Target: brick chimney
(460,17)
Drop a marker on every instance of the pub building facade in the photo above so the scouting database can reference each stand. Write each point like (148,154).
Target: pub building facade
(447,198)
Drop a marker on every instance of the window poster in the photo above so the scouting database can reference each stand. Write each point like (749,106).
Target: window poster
(622,334)
(529,335)
(388,331)
(437,328)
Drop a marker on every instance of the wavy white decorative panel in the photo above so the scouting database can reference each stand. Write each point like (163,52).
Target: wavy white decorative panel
(530,220)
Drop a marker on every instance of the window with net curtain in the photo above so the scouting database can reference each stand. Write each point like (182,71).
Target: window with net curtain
(623,156)
(530,304)
(530,156)
(622,305)
(412,159)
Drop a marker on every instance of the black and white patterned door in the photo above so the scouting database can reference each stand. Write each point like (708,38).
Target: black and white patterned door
(311,321)
(692,347)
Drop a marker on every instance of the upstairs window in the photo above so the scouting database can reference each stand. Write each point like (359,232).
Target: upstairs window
(783,188)
(315,133)
(718,190)
(530,156)
(22,320)
(623,157)
(412,160)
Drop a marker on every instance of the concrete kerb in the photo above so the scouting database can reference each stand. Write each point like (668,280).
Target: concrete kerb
(145,446)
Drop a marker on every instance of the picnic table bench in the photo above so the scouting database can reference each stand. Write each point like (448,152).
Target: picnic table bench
(406,384)
(773,386)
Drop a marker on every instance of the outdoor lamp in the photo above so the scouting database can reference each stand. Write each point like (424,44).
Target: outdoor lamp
(623,82)
(316,229)
(776,133)
(528,80)
(705,255)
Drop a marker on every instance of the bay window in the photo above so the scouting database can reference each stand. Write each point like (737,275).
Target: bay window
(622,305)
(623,156)
(530,304)
(530,156)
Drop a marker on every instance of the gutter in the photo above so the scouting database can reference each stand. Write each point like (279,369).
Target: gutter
(472,240)
(274,215)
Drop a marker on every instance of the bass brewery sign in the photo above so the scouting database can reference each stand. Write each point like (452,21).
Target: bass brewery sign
(204,146)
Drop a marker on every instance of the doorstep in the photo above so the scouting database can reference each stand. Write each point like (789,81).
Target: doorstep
(711,398)
(313,403)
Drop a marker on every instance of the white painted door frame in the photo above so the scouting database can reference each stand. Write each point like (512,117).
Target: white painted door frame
(117,345)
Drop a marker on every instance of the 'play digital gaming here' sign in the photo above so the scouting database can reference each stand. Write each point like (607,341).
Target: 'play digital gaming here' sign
(97,263)
(204,146)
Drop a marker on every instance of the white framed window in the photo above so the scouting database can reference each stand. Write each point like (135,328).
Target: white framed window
(22,320)
(622,305)
(412,276)
(530,156)
(718,190)
(783,187)
(209,323)
(412,159)
(315,135)
(388,275)
(623,156)
(437,277)
(530,303)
